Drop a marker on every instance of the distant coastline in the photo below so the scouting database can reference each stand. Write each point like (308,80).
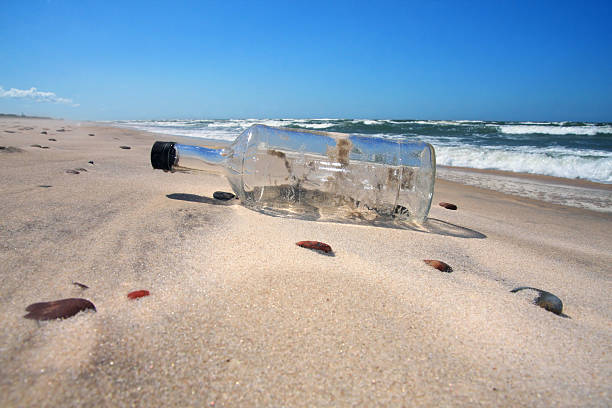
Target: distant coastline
(13,115)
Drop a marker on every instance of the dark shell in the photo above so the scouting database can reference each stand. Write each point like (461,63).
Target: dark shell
(138,294)
(58,309)
(448,206)
(316,245)
(44,132)
(545,300)
(125,147)
(91,134)
(223,195)
(52,139)
(439,265)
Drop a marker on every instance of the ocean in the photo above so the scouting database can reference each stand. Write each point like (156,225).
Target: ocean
(570,150)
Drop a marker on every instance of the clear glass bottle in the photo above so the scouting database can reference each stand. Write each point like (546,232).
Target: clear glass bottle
(317,175)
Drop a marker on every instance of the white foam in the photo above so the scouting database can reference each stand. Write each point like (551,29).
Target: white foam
(594,168)
(520,129)
(574,196)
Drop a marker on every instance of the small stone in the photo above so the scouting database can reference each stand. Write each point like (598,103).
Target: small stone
(44,132)
(72,172)
(223,195)
(90,162)
(545,300)
(448,206)
(316,245)
(138,294)
(80,285)
(125,147)
(90,134)
(439,265)
(44,147)
(11,149)
(58,309)
(52,140)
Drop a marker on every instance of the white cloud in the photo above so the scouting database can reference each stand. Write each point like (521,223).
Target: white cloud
(36,95)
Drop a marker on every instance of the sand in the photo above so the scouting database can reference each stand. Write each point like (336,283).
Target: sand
(240,316)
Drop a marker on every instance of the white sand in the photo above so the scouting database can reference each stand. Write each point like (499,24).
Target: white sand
(241,316)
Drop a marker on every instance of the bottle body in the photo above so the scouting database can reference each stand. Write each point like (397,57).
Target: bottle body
(327,176)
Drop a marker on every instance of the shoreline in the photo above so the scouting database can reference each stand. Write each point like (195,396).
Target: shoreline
(537,183)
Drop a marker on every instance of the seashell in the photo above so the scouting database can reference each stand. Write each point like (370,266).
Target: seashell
(448,206)
(223,195)
(125,147)
(58,309)
(439,265)
(316,245)
(545,300)
(138,294)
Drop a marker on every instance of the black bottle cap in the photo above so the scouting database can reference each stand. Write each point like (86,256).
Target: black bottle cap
(163,155)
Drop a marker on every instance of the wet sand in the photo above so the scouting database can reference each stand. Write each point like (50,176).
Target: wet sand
(238,315)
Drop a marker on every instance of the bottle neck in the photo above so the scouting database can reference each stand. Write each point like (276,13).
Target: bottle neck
(170,156)
(198,158)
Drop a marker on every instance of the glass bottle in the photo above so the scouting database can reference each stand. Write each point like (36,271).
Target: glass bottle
(317,175)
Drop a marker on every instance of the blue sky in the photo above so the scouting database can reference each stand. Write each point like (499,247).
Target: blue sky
(495,60)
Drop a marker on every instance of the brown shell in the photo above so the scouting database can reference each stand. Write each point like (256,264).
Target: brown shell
(316,245)
(448,206)
(138,294)
(439,265)
(58,309)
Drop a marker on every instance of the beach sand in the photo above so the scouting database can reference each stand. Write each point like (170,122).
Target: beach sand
(240,316)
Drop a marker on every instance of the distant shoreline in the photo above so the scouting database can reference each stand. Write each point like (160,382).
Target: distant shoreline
(13,115)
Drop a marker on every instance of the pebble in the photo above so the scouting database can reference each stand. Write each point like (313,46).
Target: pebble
(91,134)
(125,147)
(52,140)
(10,149)
(44,132)
(448,206)
(58,309)
(545,300)
(439,265)
(223,195)
(138,294)
(90,162)
(316,245)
